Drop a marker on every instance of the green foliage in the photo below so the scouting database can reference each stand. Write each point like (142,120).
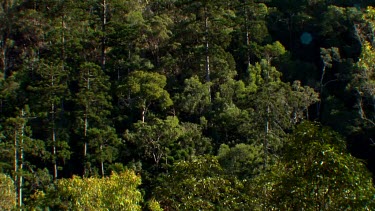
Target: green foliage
(92,97)
(46,96)
(117,192)
(232,125)
(154,138)
(191,143)
(242,160)
(153,205)
(273,50)
(164,141)
(204,28)
(86,71)
(144,89)
(363,83)
(8,195)
(233,91)
(195,99)
(104,143)
(316,172)
(335,21)
(200,184)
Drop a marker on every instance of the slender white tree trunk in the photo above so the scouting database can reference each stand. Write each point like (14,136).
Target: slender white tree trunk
(85,147)
(15,162)
(267,129)
(208,70)
(101,160)
(143,115)
(20,168)
(85,143)
(54,151)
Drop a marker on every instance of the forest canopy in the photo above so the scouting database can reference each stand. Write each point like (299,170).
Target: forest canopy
(187,105)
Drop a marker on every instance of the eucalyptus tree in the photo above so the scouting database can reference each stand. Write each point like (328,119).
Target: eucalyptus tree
(18,149)
(276,106)
(201,184)
(153,139)
(315,172)
(144,89)
(363,80)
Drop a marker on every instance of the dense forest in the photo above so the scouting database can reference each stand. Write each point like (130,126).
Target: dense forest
(187,105)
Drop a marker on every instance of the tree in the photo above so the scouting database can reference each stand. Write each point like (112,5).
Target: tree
(203,29)
(363,84)
(154,138)
(328,56)
(8,195)
(243,161)
(316,173)
(249,32)
(143,89)
(192,142)
(231,120)
(18,148)
(116,192)
(104,143)
(232,125)
(195,98)
(93,101)
(51,91)
(200,184)
(127,32)
(276,104)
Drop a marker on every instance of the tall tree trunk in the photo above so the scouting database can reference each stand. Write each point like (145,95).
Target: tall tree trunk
(143,115)
(247,38)
(319,104)
(20,160)
(85,144)
(104,23)
(54,152)
(265,144)
(4,39)
(101,160)
(207,46)
(85,147)
(15,162)
(208,71)
(20,179)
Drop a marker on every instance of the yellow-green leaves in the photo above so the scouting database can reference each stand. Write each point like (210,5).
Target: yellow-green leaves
(365,77)
(117,192)
(7,193)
